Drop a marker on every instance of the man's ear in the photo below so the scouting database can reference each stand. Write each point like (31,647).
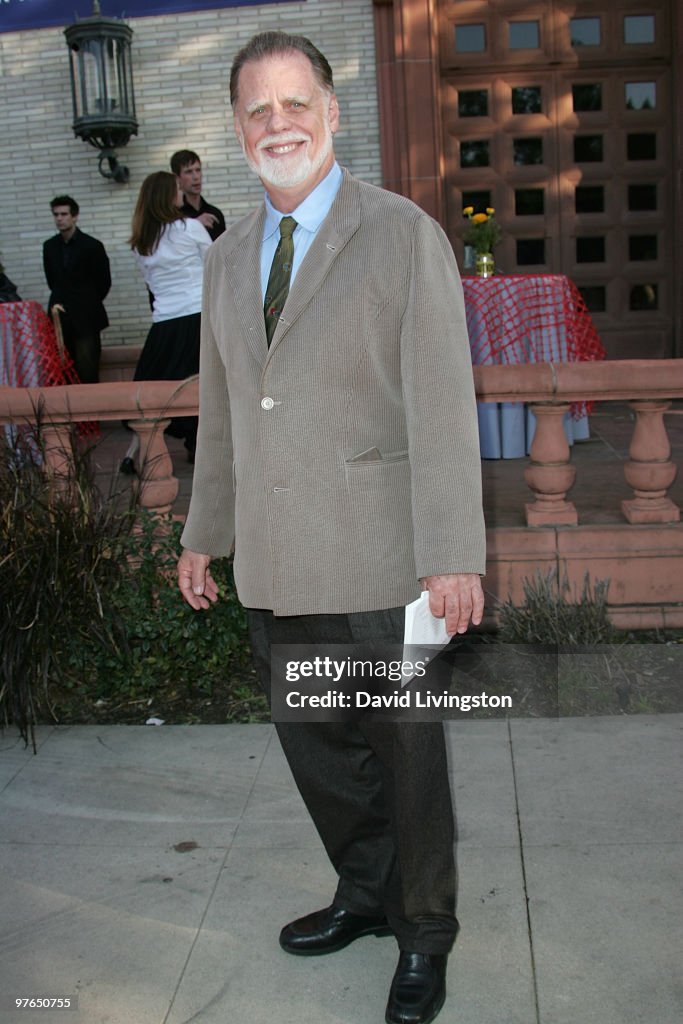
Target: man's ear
(238,130)
(333,114)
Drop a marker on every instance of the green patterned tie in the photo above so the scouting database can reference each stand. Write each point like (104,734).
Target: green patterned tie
(280,273)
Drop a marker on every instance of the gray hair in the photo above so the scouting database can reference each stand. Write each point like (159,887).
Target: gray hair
(267,44)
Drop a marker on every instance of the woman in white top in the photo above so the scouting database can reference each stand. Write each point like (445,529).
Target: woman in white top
(169,250)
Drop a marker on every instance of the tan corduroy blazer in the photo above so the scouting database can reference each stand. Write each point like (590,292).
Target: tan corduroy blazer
(344,460)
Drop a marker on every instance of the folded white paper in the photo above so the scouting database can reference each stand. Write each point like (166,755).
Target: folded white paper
(421,629)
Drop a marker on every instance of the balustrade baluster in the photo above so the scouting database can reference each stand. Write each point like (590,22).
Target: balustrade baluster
(157,486)
(58,454)
(649,470)
(550,474)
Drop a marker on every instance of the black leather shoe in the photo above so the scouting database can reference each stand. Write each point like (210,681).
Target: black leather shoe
(328,930)
(127,466)
(418,990)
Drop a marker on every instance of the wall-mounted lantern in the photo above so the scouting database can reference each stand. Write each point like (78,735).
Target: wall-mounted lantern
(102,87)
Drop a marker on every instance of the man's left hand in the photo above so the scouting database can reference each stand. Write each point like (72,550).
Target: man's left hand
(457,597)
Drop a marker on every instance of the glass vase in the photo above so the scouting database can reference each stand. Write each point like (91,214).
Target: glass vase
(485,264)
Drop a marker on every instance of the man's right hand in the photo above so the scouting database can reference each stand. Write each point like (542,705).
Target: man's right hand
(195,581)
(207,219)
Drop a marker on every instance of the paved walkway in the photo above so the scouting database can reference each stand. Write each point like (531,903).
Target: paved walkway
(148,871)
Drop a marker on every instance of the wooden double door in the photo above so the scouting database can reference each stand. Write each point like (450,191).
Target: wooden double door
(561,117)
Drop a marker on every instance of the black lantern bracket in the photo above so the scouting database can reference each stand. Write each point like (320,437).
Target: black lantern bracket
(102,87)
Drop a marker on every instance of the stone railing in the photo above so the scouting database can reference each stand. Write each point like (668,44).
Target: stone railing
(548,388)
(147,406)
(641,557)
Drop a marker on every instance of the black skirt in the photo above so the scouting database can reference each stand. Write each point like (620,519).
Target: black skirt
(171,352)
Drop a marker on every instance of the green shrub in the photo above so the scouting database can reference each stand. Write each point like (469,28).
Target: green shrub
(163,647)
(60,553)
(91,612)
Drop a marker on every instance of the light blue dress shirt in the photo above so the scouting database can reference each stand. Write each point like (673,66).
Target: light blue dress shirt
(309,215)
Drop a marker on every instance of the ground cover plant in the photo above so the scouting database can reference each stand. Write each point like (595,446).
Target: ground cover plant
(93,627)
(169,662)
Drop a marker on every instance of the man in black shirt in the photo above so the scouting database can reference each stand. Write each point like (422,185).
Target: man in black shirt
(77,272)
(187,167)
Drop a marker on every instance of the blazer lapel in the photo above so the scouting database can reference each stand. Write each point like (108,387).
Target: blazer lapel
(243,267)
(339,226)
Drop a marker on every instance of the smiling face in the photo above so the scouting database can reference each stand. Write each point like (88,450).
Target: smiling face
(285,121)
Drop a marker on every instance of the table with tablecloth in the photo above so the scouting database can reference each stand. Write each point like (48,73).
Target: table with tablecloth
(30,357)
(29,354)
(526,318)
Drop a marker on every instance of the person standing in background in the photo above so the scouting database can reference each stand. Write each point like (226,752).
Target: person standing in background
(78,275)
(170,250)
(187,167)
(8,289)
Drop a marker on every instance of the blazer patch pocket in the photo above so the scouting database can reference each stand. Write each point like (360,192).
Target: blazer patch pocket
(386,478)
(373,457)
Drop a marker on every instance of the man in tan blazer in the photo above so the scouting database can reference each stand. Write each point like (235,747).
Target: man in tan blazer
(342,462)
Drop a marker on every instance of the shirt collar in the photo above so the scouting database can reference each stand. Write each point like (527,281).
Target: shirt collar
(312,211)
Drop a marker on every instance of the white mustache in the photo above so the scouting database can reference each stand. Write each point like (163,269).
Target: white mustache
(282,140)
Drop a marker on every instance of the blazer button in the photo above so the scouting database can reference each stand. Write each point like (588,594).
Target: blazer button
(267,403)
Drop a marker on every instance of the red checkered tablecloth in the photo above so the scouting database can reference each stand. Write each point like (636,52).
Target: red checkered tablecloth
(525,318)
(29,356)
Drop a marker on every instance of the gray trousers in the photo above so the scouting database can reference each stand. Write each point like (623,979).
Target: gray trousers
(377,790)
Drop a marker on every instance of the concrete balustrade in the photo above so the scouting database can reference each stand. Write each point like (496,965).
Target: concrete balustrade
(146,405)
(641,557)
(648,386)
(547,387)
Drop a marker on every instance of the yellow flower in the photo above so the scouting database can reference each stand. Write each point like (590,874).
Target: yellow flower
(468,211)
(482,231)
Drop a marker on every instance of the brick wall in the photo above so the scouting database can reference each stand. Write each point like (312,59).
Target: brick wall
(181,66)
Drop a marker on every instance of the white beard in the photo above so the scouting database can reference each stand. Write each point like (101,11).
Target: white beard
(288,172)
